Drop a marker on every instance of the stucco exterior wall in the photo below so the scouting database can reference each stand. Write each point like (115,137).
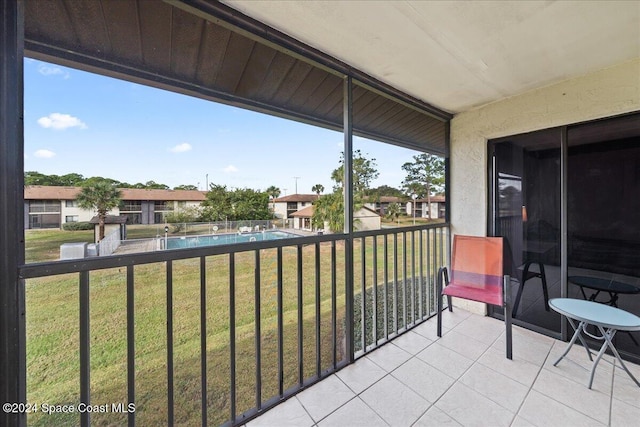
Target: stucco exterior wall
(280,210)
(82,214)
(367,221)
(605,93)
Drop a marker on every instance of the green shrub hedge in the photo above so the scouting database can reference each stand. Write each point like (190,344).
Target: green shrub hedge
(75,226)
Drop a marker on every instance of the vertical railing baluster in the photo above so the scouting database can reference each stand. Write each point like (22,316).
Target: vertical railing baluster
(334,305)
(429,278)
(280,327)
(85,349)
(421,292)
(170,397)
(385,266)
(349,308)
(203,338)
(300,319)
(374,290)
(232,336)
(363,293)
(395,283)
(131,349)
(436,253)
(404,279)
(413,276)
(318,320)
(442,245)
(258,333)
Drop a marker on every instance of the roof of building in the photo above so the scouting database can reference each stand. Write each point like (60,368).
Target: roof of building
(434,199)
(297,198)
(45,192)
(109,219)
(306,212)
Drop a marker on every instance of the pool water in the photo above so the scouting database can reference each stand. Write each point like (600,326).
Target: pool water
(225,239)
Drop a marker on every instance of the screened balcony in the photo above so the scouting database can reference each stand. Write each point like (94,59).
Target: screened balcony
(358,303)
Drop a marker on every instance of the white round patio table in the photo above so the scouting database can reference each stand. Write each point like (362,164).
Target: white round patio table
(607,319)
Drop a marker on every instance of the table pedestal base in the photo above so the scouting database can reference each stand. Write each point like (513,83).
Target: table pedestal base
(606,335)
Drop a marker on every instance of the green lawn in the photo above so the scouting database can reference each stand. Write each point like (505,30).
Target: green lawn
(52,331)
(44,245)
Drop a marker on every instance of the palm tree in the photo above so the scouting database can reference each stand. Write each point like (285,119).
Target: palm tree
(102,196)
(318,188)
(273,193)
(393,211)
(329,209)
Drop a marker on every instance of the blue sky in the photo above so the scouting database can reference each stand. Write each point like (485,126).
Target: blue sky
(98,126)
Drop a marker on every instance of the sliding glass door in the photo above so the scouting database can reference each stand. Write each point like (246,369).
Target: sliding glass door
(526,212)
(598,166)
(603,208)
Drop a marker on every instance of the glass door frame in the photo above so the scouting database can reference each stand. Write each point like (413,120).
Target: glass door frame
(493,206)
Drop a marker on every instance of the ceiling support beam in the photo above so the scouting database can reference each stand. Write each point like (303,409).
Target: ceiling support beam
(348,211)
(50,52)
(12,291)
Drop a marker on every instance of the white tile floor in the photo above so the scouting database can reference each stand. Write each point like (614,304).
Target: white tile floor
(465,379)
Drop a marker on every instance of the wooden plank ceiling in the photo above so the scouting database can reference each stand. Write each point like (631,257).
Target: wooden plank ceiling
(162,45)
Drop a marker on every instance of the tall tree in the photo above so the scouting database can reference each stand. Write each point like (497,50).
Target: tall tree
(425,177)
(250,204)
(393,211)
(185,187)
(273,191)
(238,204)
(72,180)
(217,205)
(152,185)
(98,179)
(318,188)
(385,190)
(329,209)
(364,172)
(102,196)
(37,178)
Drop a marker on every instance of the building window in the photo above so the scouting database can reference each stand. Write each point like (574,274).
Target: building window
(49,206)
(71,218)
(131,206)
(44,220)
(162,206)
(182,205)
(291,208)
(70,204)
(133,218)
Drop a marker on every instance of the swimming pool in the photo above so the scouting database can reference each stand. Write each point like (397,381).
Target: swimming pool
(225,239)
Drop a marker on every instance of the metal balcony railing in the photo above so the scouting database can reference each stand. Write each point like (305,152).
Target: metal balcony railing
(236,328)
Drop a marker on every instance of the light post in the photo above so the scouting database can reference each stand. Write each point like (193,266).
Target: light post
(166,234)
(273,207)
(414,197)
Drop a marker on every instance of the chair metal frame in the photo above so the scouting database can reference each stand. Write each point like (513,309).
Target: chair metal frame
(443,283)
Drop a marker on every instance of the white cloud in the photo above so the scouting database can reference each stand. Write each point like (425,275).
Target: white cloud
(181,148)
(44,154)
(51,70)
(59,121)
(230,169)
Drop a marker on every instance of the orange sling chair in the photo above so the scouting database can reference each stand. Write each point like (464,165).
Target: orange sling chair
(477,274)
